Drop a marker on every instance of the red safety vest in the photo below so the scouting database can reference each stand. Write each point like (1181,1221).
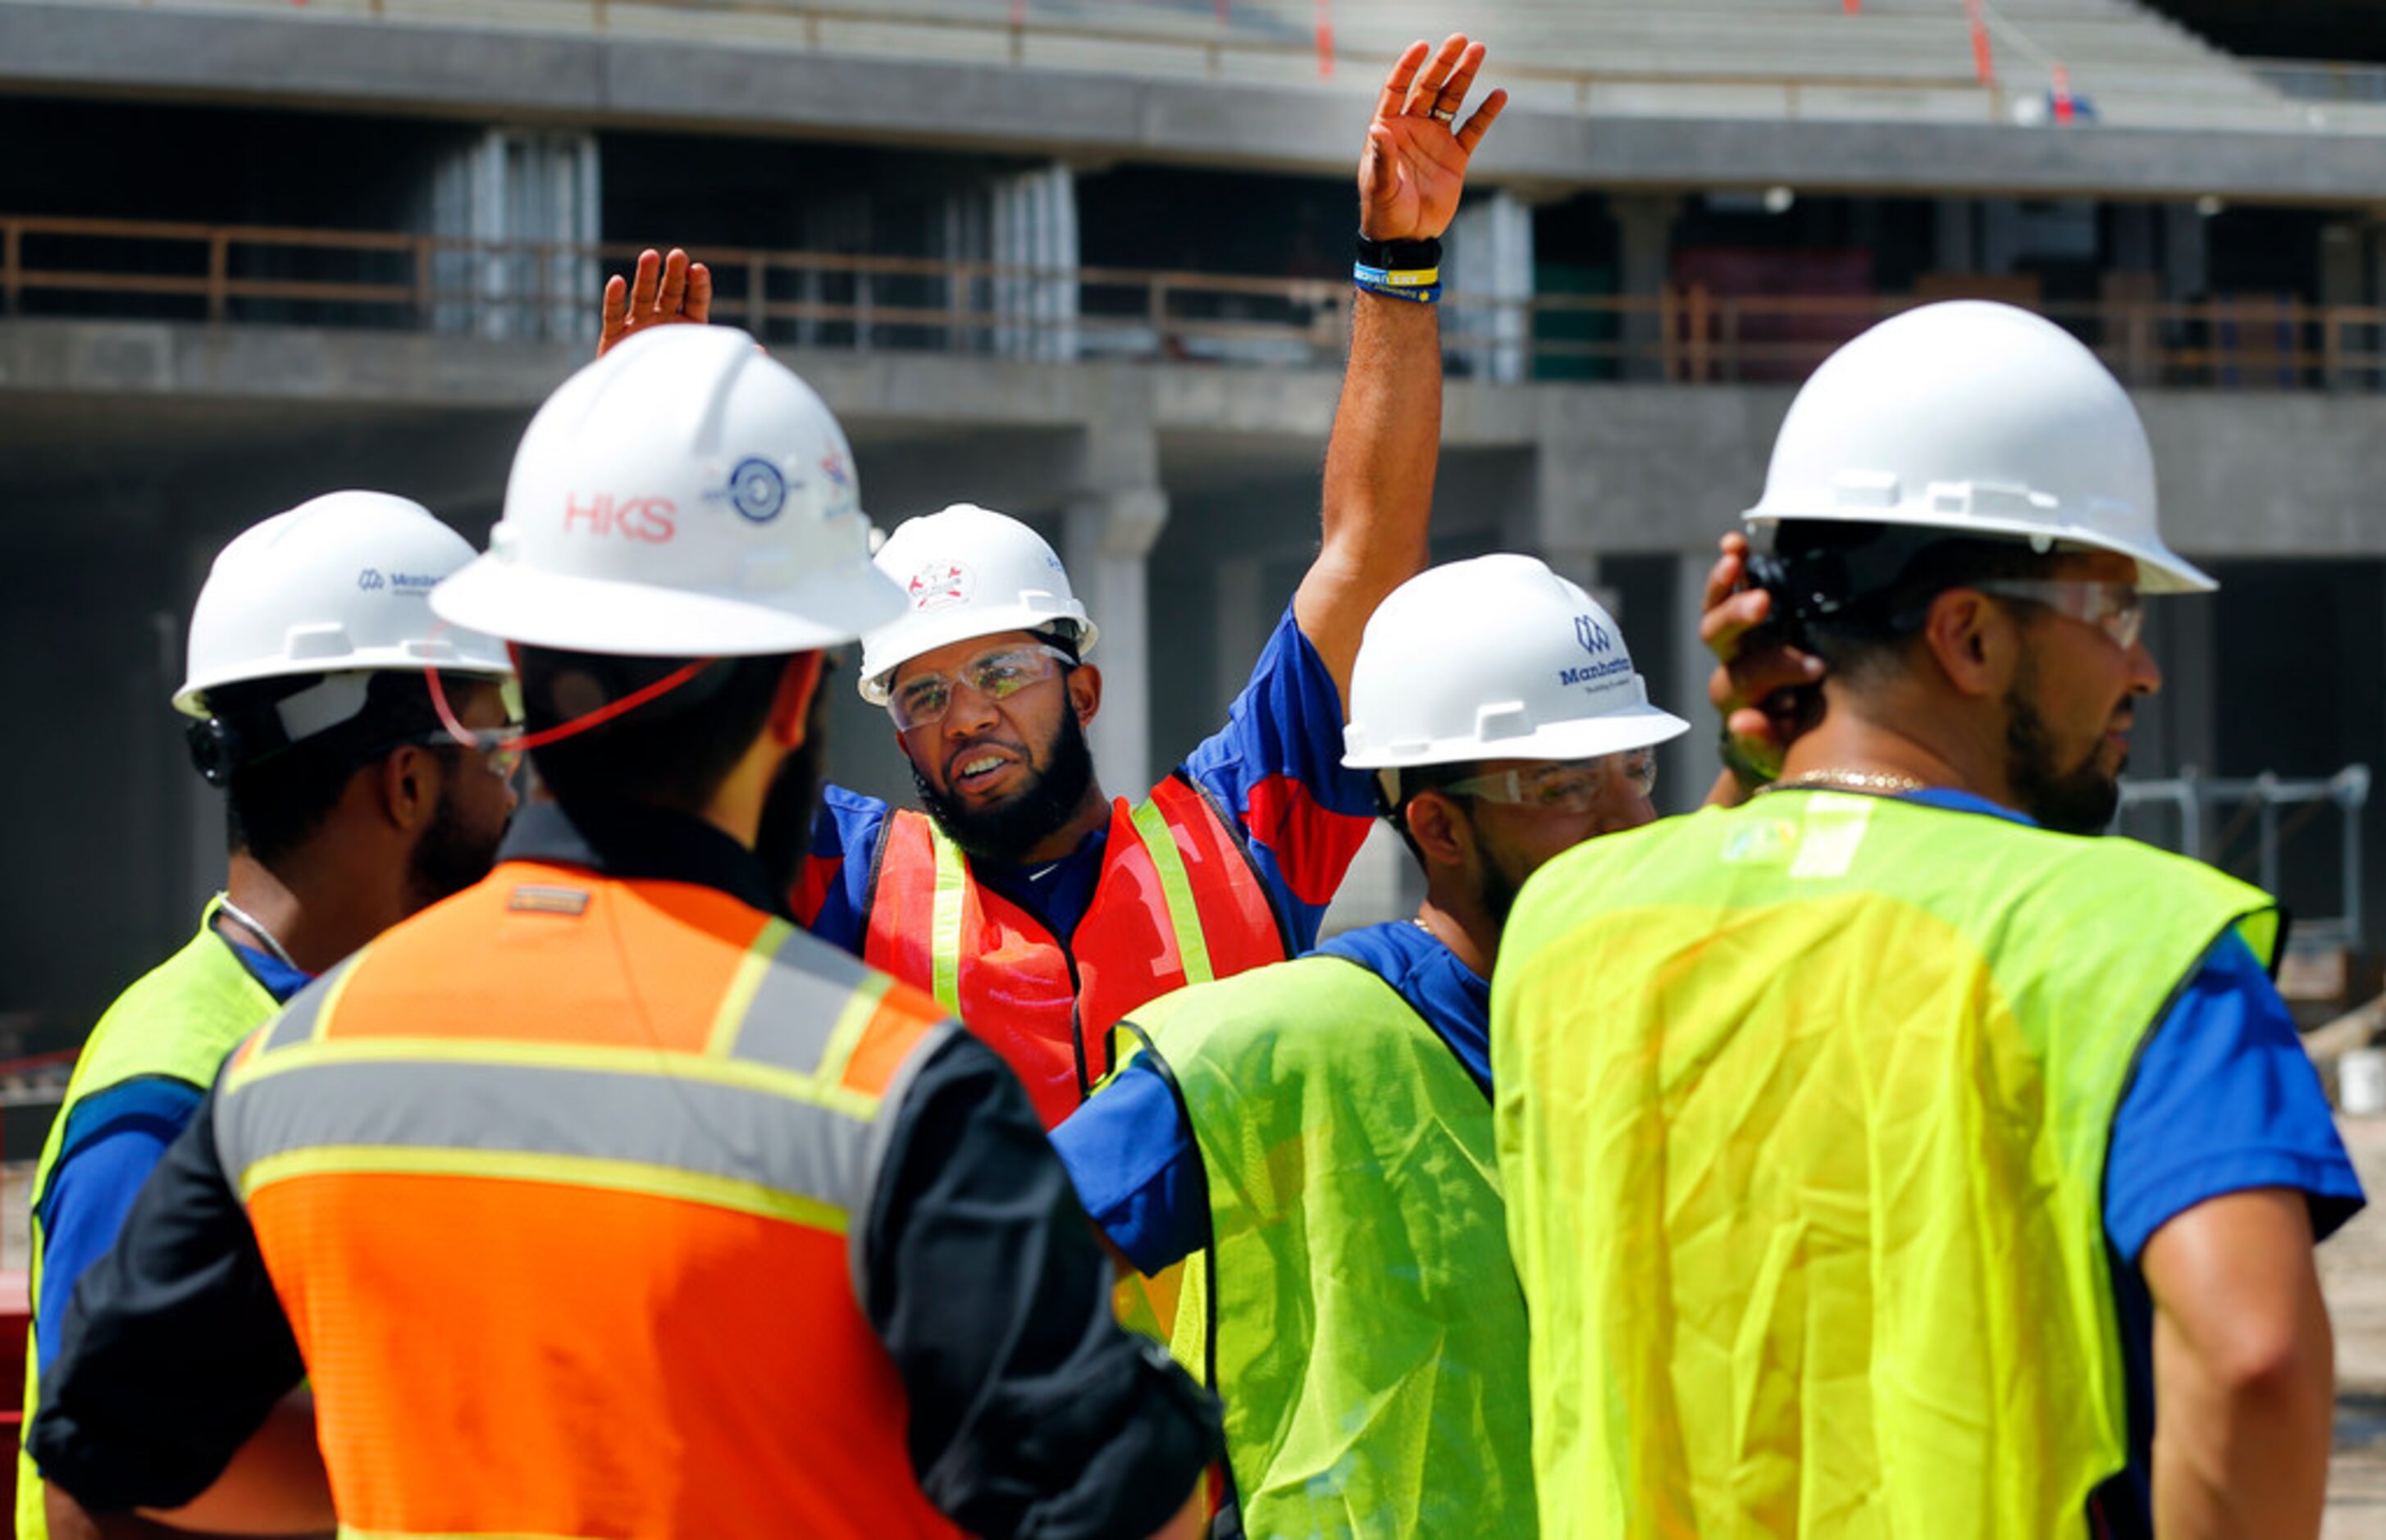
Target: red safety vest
(559,1183)
(1178,902)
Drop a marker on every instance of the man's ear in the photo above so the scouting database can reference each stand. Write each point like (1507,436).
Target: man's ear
(1084,692)
(408,782)
(791,709)
(1974,640)
(1441,833)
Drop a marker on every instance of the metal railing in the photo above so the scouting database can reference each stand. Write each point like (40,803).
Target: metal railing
(2263,802)
(244,274)
(2322,79)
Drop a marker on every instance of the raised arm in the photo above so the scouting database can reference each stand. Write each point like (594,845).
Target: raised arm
(1379,464)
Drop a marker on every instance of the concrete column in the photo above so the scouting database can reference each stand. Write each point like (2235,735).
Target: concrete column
(2001,234)
(530,185)
(1033,228)
(1644,226)
(2341,263)
(1108,535)
(2186,264)
(2133,237)
(1489,257)
(1957,247)
(1688,766)
(1243,618)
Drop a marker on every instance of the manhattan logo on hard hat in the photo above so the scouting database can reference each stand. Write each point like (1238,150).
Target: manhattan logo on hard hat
(939,583)
(758,490)
(1591,634)
(370,579)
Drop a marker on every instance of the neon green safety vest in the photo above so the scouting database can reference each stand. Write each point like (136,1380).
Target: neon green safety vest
(1802,1112)
(178,1022)
(1356,1312)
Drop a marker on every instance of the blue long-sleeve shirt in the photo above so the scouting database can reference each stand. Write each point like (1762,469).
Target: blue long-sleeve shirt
(114,1139)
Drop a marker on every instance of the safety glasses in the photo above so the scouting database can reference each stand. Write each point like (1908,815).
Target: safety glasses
(2115,608)
(1570,787)
(923,699)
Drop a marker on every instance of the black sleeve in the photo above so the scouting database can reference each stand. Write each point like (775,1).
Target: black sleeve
(1033,1412)
(174,1347)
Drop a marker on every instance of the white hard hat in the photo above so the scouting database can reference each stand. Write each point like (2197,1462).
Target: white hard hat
(1980,419)
(1495,658)
(683,496)
(336,586)
(968,572)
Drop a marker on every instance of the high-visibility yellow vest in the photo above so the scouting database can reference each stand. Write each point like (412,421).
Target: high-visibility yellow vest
(1356,1310)
(176,1023)
(1802,1112)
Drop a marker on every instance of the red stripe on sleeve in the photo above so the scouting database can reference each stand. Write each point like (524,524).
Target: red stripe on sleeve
(1313,846)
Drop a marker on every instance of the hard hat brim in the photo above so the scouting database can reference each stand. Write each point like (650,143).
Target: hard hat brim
(632,619)
(2160,568)
(964,625)
(190,700)
(1614,732)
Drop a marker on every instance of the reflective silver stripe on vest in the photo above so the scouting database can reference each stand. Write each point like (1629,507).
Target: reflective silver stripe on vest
(297,1022)
(755,1130)
(796,1007)
(655,1119)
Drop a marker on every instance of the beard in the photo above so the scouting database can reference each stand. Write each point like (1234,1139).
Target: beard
(452,855)
(788,809)
(1005,832)
(2077,799)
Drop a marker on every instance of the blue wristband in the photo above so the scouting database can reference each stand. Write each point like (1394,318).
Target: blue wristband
(1420,287)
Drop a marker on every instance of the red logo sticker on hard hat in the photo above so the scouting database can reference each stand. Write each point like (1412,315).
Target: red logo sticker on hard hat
(940,582)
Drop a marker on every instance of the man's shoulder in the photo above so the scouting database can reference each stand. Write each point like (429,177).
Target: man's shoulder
(177,1020)
(1292,998)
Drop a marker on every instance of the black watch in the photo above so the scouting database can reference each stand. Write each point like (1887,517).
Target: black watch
(1399,256)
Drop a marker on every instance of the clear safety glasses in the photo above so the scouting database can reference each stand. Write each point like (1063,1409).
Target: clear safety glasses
(500,748)
(1570,787)
(925,698)
(2115,608)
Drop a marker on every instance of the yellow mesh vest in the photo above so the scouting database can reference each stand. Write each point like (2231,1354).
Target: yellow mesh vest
(1802,1114)
(178,1020)
(1356,1312)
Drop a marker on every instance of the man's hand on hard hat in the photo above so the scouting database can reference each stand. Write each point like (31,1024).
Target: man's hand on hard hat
(1760,684)
(666,291)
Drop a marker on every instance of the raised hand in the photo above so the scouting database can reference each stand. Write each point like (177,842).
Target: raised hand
(1415,165)
(667,291)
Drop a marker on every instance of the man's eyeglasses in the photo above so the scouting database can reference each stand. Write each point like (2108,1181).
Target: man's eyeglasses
(2115,608)
(500,748)
(1570,787)
(997,675)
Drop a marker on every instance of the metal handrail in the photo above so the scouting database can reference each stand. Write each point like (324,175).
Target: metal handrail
(2194,795)
(1683,333)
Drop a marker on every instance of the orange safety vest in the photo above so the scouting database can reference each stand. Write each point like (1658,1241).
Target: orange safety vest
(560,1185)
(1178,902)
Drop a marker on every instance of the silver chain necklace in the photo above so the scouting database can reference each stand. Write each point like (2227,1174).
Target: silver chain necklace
(248,923)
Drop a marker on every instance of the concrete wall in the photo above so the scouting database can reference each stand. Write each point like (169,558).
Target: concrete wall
(323,61)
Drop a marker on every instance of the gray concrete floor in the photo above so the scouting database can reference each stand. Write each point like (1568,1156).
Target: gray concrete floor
(2353,1270)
